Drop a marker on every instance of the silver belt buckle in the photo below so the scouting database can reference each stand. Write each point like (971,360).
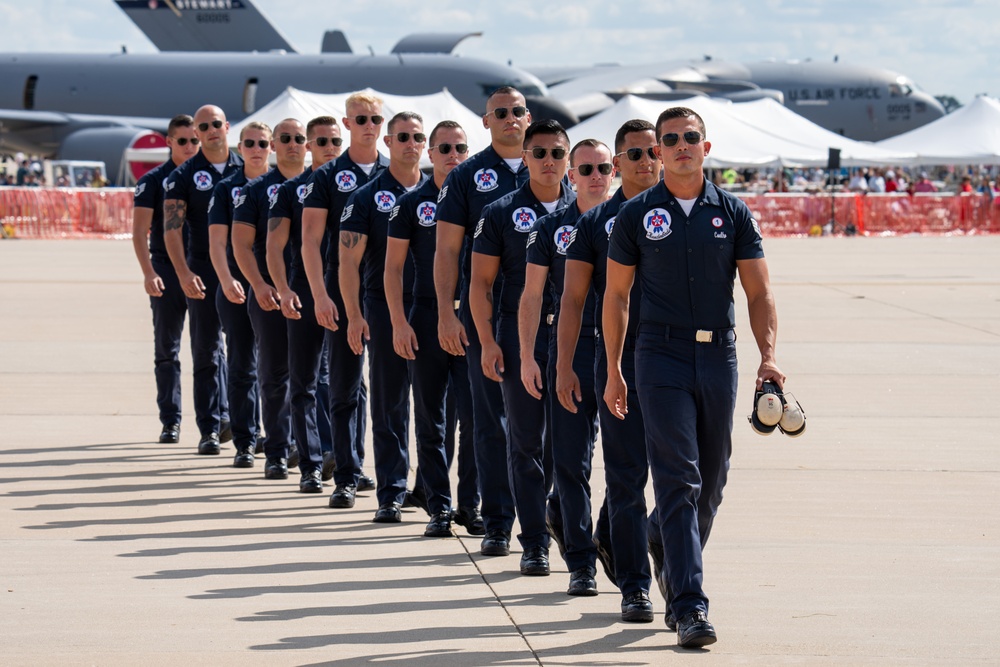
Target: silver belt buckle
(549,319)
(458,304)
(703,336)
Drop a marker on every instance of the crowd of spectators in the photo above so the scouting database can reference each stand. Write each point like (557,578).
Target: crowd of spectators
(863,180)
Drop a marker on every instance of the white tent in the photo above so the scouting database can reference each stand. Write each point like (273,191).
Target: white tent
(762,135)
(970,135)
(294,103)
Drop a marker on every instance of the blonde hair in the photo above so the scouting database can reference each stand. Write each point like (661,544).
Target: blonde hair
(255,125)
(363,99)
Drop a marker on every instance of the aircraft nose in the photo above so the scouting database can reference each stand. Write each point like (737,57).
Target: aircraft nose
(926,106)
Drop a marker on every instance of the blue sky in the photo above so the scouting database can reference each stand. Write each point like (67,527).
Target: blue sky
(948,48)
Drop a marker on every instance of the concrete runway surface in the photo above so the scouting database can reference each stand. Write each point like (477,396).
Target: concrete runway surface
(873,539)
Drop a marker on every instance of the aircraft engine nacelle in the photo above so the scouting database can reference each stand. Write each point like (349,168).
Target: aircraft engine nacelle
(127,152)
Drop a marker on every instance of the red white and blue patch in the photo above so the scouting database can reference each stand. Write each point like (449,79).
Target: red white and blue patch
(562,238)
(384,201)
(202,180)
(426,213)
(717,222)
(234,194)
(523,218)
(346,180)
(657,224)
(609,225)
(303,191)
(486,180)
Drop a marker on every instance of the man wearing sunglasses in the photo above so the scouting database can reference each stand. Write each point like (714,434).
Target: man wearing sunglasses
(270,332)
(620,533)
(230,298)
(438,377)
(308,372)
(364,229)
(500,247)
(166,299)
(492,173)
(568,515)
(328,190)
(185,203)
(685,240)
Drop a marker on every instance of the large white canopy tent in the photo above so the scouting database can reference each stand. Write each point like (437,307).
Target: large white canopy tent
(970,135)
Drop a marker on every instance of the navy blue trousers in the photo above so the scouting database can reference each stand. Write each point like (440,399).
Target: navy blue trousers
(390,397)
(625,472)
(348,395)
(460,430)
(271,335)
(572,454)
(688,395)
(309,408)
(169,311)
(530,477)
(241,362)
(489,437)
(211,403)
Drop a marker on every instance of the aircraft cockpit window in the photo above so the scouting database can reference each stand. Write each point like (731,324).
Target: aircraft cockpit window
(900,88)
(29,91)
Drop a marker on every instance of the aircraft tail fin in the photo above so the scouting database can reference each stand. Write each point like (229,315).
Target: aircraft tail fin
(192,25)
(335,41)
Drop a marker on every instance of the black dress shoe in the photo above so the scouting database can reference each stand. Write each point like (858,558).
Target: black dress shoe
(171,434)
(365,483)
(343,496)
(439,525)
(471,519)
(582,582)
(225,432)
(694,630)
(243,458)
(310,482)
(607,559)
(656,554)
(535,561)
(329,466)
(276,469)
(259,447)
(554,524)
(209,444)
(496,543)
(636,608)
(670,621)
(388,513)
(293,457)
(416,498)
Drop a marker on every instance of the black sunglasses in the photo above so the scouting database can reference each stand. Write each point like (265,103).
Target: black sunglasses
(539,153)
(444,149)
(362,120)
(323,141)
(287,138)
(183,141)
(418,137)
(215,123)
(587,169)
(262,143)
(691,138)
(501,112)
(635,154)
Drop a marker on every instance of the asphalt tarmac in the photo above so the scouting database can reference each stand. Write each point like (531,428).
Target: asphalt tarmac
(873,539)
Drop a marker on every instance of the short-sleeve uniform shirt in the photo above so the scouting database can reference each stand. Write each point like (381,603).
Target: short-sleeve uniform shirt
(253,208)
(686,264)
(220,212)
(414,219)
(288,204)
(149,194)
(194,182)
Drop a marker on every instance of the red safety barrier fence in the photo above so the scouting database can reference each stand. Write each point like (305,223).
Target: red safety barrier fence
(45,213)
(54,213)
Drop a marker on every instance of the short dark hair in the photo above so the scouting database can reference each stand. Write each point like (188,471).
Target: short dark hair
(678,112)
(180,120)
(503,90)
(405,115)
(544,127)
(586,143)
(445,125)
(630,126)
(320,121)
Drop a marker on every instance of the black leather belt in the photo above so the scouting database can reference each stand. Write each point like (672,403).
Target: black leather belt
(717,336)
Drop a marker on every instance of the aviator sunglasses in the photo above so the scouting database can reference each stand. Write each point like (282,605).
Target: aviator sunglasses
(691,138)
(418,137)
(215,123)
(539,153)
(287,138)
(501,112)
(183,141)
(603,168)
(635,154)
(444,149)
(363,120)
(323,141)
(260,143)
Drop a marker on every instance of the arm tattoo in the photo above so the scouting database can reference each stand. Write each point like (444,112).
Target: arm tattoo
(174,212)
(349,239)
(273,223)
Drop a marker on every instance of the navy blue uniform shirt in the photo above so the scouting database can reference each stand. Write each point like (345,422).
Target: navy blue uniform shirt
(503,232)
(220,212)
(253,208)
(686,265)
(149,194)
(330,187)
(367,212)
(414,219)
(193,182)
(288,204)
(548,243)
